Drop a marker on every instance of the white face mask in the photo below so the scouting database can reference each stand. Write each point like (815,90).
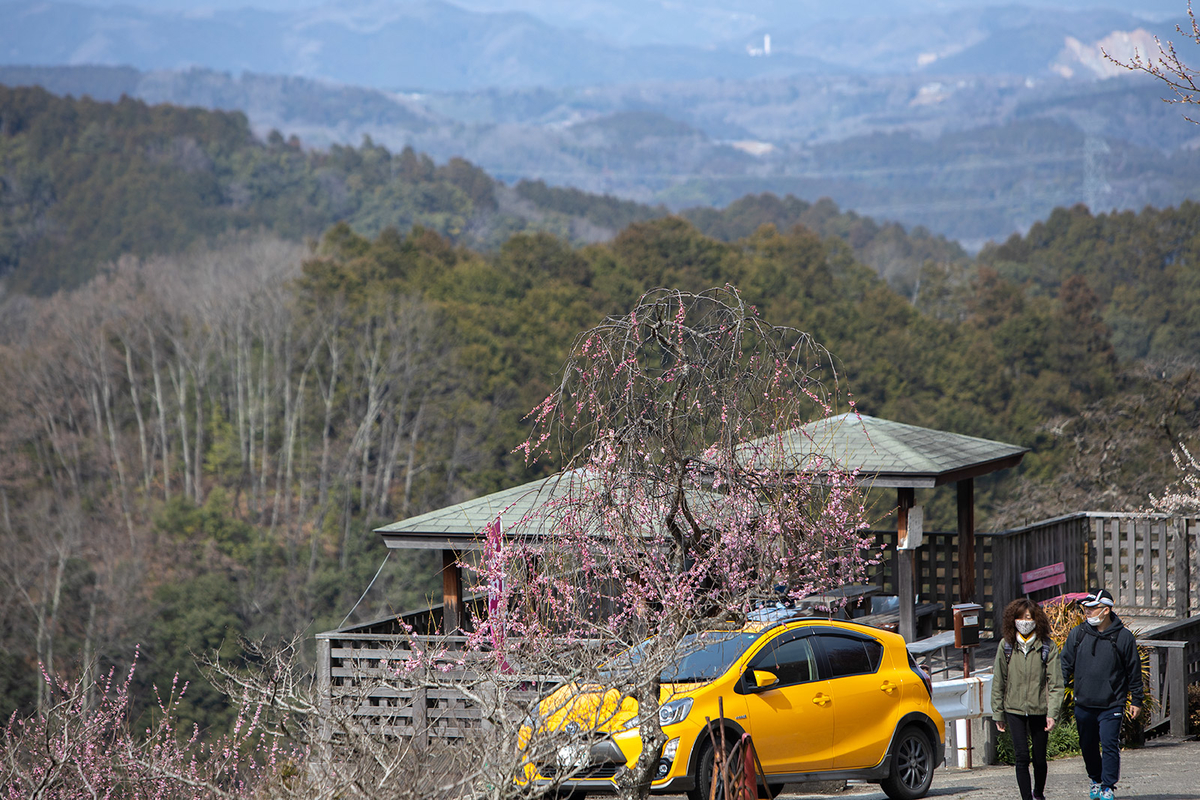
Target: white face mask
(1095,621)
(1025,626)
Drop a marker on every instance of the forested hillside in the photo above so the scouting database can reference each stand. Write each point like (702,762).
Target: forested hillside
(198,443)
(1141,266)
(82,183)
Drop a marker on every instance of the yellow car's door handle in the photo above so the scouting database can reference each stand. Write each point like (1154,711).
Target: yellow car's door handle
(822,700)
(889,687)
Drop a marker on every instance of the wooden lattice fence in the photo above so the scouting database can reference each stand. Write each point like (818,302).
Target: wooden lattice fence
(366,681)
(1151,563)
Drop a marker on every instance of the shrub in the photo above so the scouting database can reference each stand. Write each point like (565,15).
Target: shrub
(83,743)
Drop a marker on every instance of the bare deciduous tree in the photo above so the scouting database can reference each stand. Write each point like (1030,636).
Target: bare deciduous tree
(1167,66)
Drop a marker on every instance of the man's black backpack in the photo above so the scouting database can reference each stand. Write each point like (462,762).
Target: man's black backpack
(1008,651)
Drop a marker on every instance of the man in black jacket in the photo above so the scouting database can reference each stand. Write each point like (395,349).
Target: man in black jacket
(1100,659)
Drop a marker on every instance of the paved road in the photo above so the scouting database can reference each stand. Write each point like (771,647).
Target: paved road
(1165,769)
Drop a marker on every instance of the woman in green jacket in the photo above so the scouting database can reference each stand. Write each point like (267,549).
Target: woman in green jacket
(1027,690)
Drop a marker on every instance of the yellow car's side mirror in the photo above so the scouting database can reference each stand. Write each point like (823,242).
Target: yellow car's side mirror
(763,679)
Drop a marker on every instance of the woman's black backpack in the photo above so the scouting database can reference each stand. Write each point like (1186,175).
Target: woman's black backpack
(1008,651)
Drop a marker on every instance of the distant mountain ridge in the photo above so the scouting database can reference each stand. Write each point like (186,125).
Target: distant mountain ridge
(437,45)
(975,159)
(986,40)
(705,23)
(414,44)
(715,22)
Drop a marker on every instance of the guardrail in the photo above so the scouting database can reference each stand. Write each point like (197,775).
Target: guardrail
(960,701)
(964,698)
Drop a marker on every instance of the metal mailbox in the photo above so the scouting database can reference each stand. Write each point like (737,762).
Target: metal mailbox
(967,622)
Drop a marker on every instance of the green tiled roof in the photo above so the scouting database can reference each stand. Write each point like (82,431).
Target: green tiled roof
(462,524)
(894,454)
(885,453)
(472,516)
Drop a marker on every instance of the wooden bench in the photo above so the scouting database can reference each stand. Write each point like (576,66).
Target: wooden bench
(1043,578)
(924,650)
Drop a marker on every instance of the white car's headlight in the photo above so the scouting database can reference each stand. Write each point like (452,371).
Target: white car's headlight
(674,711)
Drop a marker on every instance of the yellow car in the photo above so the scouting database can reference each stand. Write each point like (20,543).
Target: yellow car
(821,699)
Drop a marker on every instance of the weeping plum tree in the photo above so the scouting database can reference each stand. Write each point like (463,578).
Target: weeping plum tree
(691,493)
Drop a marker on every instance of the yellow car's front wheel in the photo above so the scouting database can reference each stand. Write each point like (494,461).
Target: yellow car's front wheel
(704,773)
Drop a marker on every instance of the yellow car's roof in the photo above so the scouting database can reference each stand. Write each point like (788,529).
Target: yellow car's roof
(761,626)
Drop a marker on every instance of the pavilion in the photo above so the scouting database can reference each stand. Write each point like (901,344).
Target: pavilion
(885,454)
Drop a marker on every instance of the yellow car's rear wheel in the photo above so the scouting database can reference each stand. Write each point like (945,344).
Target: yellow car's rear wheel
(912,766)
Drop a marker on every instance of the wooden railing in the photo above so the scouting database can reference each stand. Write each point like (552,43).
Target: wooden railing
(359,682)
(1168,685)
(1148,562)
(1186,631)
(418,688)
(1151,563)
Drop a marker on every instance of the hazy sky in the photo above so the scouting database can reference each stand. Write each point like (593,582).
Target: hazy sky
(702,23)
(815,8)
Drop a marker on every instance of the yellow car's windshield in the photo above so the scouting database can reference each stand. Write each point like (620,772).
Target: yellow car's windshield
(698,658)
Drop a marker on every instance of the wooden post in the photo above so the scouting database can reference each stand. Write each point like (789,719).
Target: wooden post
(906,561)
(420,718)
(1177,689)
(325,699)
(452,593)
(1127,565)
(1157,686)
(1183,572)
(966,540)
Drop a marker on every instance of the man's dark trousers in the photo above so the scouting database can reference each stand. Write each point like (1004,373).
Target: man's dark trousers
(1100,729)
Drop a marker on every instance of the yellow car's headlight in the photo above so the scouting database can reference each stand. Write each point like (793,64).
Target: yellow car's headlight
(674,711)
(668,714)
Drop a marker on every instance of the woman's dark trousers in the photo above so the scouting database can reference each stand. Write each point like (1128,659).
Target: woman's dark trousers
(1023,729)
